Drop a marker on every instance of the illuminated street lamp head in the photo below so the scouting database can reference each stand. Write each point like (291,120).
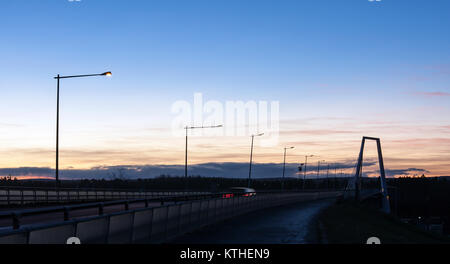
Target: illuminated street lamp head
(289,147)
(109,74)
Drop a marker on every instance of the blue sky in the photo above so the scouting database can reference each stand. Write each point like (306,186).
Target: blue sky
(384,67)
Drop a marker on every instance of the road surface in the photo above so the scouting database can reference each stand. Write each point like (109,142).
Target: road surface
(290,224)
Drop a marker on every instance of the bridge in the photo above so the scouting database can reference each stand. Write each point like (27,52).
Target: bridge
(173,217)
(122,217)
(354,187)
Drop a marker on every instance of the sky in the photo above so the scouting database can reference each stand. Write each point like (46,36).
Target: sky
(339,70)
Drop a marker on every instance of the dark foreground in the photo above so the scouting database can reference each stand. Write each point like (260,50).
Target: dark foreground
(347,223)
(291,224)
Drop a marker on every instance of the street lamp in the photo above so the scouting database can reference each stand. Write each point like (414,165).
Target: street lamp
(251,156)
(186,153)
(335,176)
(304,173)
(318,169)
(328,179)
(58,78)
(284,166)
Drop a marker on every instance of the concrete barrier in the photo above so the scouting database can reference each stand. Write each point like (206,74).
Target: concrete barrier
(195,215)
(185,216)
(173,220)
(93,231)
(120,228)
(219,209)
(52,235)
(3,197)
(153,225)
(159,222)
(211,212)
(18,238)
(204,206)
(142,226)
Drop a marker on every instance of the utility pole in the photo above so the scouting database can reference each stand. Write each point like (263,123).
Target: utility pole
(186,151)
(284,166)
(304,173)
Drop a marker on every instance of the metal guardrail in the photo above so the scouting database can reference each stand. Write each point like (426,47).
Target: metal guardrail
(155,224)
(26,195)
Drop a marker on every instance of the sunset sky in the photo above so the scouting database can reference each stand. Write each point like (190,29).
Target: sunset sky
(340,70)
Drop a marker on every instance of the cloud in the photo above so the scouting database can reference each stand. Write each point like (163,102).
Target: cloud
(396,172)
(224,170)
(10,125)
(434,94)
(317,132)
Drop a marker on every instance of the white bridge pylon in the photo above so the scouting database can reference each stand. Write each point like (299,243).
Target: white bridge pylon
(386,208)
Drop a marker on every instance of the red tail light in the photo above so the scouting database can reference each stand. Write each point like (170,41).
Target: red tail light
(228,195)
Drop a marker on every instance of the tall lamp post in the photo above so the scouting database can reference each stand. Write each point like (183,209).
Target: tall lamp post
(304,173)
(284,166)
(318,169)
(187,128)
(251,157)
(335,176)
(58,78)
(328,179)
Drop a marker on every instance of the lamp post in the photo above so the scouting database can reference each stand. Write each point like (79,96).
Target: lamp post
(186,152)
(335,176)
(318,169)
(284,166)
(328,179)
(304,173)
(251,157)
(58,78)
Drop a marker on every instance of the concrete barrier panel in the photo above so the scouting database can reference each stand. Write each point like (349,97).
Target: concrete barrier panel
(185,216)
(142,226)
(120,229)
(211,211)
(108,195)
(195,214)
(41,196)
(159,224)
(204,207)
(28,196)
(246,204)
(52,235)
(3,198)
(93,231)
(227,208)
(16,239)
(91,195)
(51,196)
(63,196)
(173,220)
(219,209)
(252,204)
(14,197)
(236,206)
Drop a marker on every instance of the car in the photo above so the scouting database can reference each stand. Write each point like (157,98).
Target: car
(239,192)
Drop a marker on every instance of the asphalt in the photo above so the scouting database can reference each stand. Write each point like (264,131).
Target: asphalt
(290,224)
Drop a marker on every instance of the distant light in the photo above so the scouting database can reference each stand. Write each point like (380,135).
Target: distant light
(109,74)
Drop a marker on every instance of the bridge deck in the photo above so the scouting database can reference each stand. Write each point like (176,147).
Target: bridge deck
(290,224)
